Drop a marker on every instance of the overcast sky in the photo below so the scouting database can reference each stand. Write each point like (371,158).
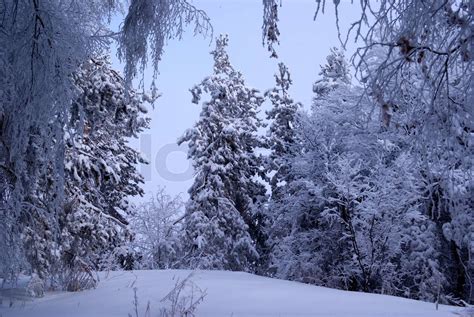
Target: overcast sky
(304,46)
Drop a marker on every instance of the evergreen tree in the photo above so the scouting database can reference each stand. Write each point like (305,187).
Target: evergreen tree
(101,167)
(304,246)
(334,73)
(100,173)
(220,225)
(282,143)
(281,135)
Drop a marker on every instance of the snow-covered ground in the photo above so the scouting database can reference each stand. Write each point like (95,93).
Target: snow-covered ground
(228,294)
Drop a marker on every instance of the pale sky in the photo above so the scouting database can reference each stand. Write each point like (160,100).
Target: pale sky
(304,46)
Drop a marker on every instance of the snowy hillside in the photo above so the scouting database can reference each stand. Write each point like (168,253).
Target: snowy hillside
(228,294)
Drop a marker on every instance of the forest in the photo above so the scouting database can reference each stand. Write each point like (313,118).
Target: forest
(370,188)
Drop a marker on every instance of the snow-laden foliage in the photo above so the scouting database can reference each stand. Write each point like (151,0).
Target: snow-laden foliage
(42,43)
(220,225)
(438,136)
(101,167)
(270,31)
(149,24)
(437,132)
(416,61)
(333,74)
(100,173)
(353,215)
(157,229)
(281,132)
(437,36)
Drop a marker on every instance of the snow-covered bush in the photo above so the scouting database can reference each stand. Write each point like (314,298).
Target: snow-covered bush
(157,226)
(35,287)
(77,277)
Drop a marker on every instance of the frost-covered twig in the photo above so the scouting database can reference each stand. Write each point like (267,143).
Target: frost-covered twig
(183,299)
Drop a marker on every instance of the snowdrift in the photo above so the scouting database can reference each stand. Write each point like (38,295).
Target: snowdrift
(228,294)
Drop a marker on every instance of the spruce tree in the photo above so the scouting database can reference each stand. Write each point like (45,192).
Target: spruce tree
(220,224)
(101,167)
(281,136)
(100,171)
(334,73)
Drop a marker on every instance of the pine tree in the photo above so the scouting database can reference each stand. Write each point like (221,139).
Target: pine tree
(220,225)
(282,143)
(100,173)
(101,167)
(334,73)
(303,242)
(281,135)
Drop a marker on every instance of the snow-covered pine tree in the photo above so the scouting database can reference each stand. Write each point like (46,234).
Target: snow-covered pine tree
(282,143)
(101,167)
(220,227)
(281,136)
(303,246)
(100,173)
(333,74)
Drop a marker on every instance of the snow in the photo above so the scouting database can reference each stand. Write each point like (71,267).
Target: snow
(228,294)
